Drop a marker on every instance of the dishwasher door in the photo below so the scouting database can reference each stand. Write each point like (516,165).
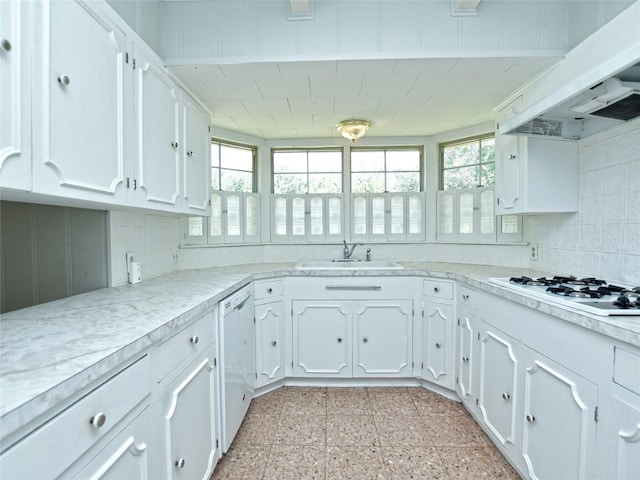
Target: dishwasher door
(237,355)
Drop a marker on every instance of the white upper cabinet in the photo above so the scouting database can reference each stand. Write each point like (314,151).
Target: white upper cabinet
(196,157)
(535,175)
(157,120)
(15,96)
(84,105)
(109,126)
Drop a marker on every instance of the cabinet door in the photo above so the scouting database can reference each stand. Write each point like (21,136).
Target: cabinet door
(383,338)
(622,435)
(437,343)
(124,457)
(190,422)
(15,97)
(322,338)
(508,185)
(559,421)
(465,360)
(498,387)
(196,157)
(269,343)
(157,131)
(80,145)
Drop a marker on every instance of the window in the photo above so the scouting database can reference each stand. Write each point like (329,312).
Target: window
(235,207)
(307,201)
(465,205)
(388,170)
(232,167)
(387,203)
(307,171)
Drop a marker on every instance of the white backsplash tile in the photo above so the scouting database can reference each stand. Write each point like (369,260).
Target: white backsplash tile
(152,238)
(608,223)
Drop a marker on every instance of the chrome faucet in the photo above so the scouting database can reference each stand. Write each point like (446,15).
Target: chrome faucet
(349,251)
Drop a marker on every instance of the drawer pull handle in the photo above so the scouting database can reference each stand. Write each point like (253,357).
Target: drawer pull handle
(174,144)
(5,44)
(506,396)
(436,289)
(365,340)
(64,80)
(269,290)
(465,296)
(244,396)
(98,420)
(180,463)
(273,343)
(438,344)
(530,418)
(353,287)
(465,359)
(194,339)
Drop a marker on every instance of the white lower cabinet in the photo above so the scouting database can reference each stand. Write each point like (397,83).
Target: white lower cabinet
(185,410)
(559,410)
(436,364)
(465,360)
(269,343)
(189,422)
(126,457)
(81,437)
(352,338)
(534,408)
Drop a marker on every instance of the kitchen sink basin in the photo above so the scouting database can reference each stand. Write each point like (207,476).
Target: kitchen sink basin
(353,265)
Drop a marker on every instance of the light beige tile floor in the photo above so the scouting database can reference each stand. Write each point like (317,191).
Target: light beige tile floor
(360,434)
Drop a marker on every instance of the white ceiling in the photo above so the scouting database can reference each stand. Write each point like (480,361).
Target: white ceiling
(403,97)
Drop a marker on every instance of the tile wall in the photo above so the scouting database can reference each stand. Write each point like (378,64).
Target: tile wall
(603,238)
(154,240)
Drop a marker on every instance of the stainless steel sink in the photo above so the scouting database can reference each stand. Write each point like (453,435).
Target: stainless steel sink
(352,265)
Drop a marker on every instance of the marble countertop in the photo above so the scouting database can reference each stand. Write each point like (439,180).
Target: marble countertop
(50,351)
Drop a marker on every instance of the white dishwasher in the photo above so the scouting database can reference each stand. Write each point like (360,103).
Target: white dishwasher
(237,361)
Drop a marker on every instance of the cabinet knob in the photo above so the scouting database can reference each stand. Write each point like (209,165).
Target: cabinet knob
(511,156)
(365,340)
(530,418)
(98,420)
(64,80)
(438,344)
(190,153)
(269,290)
(5,45)
(180,463)
(244,396)
(174,144)
(506,396)
(339,340)
(194,339)
(465,296)
(465,359)
(273,343)
(436,289)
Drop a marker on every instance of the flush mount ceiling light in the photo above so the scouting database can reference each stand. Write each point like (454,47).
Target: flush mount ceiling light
(353,129)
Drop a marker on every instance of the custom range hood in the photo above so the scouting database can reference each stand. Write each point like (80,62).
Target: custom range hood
(596,86)
(600,107)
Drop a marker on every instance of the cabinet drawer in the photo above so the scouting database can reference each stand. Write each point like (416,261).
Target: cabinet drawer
(438,289)
(626,368)
(184,345)
(270,289)
(55,446)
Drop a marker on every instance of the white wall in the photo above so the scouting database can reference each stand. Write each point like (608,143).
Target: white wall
(603,238)
(154,240)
